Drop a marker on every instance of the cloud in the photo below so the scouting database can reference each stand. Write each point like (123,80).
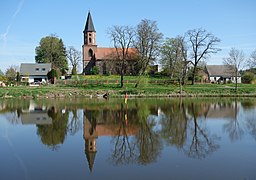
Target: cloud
(18,9)
(4,36)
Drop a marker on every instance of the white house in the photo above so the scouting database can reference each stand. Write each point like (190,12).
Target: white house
(222,73)
(34,72)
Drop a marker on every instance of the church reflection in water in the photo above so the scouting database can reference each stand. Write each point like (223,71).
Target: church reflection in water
(98,125)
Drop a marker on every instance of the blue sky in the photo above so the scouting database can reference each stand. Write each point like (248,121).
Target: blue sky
(24,22)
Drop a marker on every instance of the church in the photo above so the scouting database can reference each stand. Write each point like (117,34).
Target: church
(105,59)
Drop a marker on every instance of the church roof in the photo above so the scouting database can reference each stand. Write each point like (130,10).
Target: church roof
(110,53)
(89,27)
(90,158)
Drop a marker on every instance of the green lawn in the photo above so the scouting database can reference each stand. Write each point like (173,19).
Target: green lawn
(95,85)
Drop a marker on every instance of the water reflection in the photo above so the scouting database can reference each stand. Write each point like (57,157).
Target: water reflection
(139,130)
(34,114)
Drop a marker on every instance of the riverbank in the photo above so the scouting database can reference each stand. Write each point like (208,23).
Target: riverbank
(112,90)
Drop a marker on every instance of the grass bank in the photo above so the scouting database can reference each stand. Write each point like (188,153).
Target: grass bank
(148,88)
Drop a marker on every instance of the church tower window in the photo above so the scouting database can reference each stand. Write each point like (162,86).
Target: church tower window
(90,53)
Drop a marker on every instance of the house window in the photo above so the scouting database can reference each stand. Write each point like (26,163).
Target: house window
(43,69)
(37,69)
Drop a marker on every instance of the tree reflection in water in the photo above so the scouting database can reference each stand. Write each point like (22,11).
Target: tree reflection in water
(123,150)
(234,127)
(174,124)
(144,146)
(54,134)
(249,108)
(148,141)
(74,124)
(182,128)
(202,142)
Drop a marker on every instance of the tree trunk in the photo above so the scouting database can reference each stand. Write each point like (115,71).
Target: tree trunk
(236,83)
(122,74)
(193,76)
(180,87)
(122,79)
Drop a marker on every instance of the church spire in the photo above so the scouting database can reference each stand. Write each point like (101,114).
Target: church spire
(89,27)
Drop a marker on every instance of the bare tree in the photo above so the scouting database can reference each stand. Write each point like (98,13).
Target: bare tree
(147,43)
(202,44)
(235,61)
(252,60)
(74,56)
(122,38)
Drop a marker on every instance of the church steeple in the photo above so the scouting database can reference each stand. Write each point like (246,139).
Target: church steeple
(89,45)
(89,32)
(89,27)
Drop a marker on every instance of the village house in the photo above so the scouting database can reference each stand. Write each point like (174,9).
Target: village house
(104,58)
(34,72)
(222,74)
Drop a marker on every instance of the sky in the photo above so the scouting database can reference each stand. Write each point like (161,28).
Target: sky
(24,22)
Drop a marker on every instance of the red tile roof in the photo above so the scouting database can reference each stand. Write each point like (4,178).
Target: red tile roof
(110,53)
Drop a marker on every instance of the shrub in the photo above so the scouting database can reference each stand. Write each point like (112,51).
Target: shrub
(248,78)
(95,70)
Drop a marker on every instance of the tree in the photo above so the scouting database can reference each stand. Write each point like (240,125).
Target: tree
(1,73)
(11,73)
(248,77)
(202,44)
(174,58)
(51,49)
(252,60)
(235,62)
(74,56)
(2,77)
(122,37)
(147,43)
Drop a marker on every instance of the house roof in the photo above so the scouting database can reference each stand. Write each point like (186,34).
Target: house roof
(110,53)
(38,69)
(89,27)
(220,70)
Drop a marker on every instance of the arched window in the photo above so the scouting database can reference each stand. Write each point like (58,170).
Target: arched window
(90,40)
(90,53)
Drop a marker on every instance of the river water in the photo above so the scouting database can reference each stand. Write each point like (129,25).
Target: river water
(141,139)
